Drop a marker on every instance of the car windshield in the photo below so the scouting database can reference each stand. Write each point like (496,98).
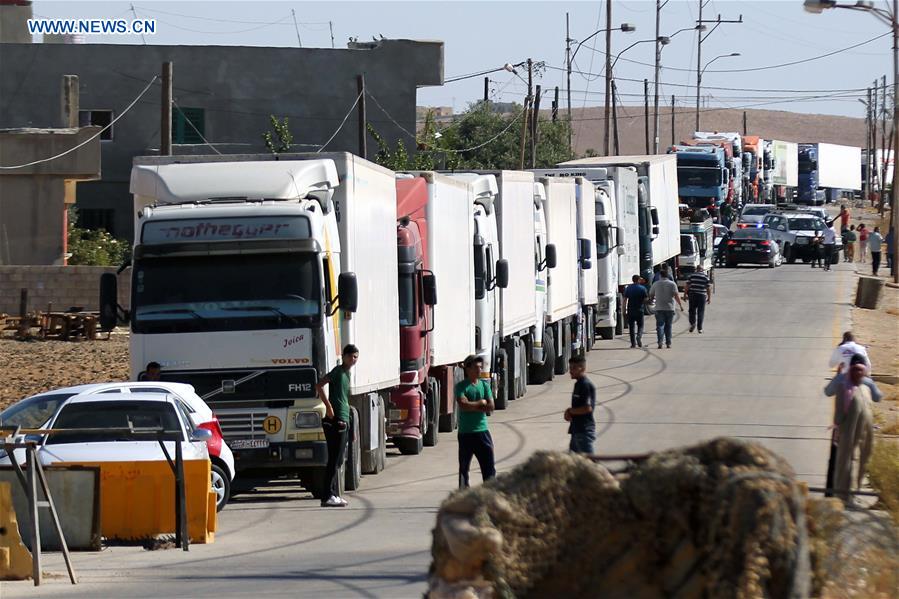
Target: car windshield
(225,292)
(755,211)
(33,412)
(751,234)
(806,224)
(702,177)
(113,415)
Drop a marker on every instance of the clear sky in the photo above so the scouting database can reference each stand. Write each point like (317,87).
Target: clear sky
(486,35)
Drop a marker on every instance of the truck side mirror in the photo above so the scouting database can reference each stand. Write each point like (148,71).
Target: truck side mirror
(109,301)
(619,236)
(429,289)
(550,260)
(347,292)
(502,273)
(655,231)
(654,215)
(620,250)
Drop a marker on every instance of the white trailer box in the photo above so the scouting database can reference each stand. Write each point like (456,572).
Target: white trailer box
(785,158)
(661,171)
(515,219)
(560,208)
(365,204)
(450,258)
(838,167)
(588,283)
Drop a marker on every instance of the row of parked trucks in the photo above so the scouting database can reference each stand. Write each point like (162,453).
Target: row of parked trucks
(717,168)
(249,274)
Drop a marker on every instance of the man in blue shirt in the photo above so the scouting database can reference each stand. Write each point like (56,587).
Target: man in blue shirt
(635,298)
(581,427)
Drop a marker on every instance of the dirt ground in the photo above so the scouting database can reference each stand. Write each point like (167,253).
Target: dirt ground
(29,367)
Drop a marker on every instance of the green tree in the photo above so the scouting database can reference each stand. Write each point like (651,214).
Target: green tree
(94,248)
(281,132)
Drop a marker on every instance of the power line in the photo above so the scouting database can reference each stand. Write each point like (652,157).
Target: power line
(262,26)
(342,123)
(387,114)
(767,67)
(194,127)
(91,138)
(512,121)
(470,75)
(241,21)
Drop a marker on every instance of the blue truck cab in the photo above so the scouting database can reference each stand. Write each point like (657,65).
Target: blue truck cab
(702,176)
(808,174)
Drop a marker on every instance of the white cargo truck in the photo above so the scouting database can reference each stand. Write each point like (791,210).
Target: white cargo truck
(838,167)
(562,296)
(784,169)
(250,273)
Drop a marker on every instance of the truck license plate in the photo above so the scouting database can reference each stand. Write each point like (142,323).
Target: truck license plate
(248,444)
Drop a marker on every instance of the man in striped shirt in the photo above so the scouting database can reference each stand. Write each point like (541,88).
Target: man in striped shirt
(697,291)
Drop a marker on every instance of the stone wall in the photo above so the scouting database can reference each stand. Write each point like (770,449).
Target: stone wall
(64,286)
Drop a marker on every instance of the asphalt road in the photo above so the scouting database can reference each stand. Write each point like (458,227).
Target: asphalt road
(756,373)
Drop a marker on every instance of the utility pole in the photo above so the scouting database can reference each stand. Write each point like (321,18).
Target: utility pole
(363,134)
(615,117)
(331,27)
(556,105)
(672,120)
(69,100)
(608,71)
(568,83)
(745,128)
(655,80)
(869,191)
(535,121)
(699,39)
(524,131)
(165,126)
(486,90)
(883,137)
(528,106)
(646,112)
(874,118)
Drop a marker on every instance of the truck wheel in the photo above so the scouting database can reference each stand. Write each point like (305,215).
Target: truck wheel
(522,369)
(373,459)
(542,373)
(590,332)
(606,332)
(564,352)
(382,434)
(353,474)
(446,423)
(619,317)
(502,382)
(432,403)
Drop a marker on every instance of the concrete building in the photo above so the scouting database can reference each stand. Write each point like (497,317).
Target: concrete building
(222,94)
(34,199)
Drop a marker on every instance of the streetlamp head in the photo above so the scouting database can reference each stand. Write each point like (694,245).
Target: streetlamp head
(700,28)
(509,67)
(664,40)
(818,6)
(628,27)
(734,54)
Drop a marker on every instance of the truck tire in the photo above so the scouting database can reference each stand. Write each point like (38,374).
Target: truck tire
(564,352)
(432,405)
(512,368)
(590,331)
(373,460)
(619,316)
(522,369)
(542,373)
(353,475)
(502,379)
(606,332)
(447,423)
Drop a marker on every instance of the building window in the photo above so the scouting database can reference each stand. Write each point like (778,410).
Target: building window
(97,218)
(188,125)
(99,118)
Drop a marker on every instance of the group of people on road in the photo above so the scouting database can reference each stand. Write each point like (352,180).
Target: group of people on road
(666,297)
(853,422)
(858,241)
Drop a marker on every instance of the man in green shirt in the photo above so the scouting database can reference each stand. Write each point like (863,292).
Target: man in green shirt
(336,422)
(474,401)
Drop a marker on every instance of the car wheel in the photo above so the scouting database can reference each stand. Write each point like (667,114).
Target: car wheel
(221,486)
(789,254)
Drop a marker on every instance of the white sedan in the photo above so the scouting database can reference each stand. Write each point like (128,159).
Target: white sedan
(37,410)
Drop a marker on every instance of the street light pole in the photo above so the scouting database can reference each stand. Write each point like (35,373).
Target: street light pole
(660,44)
(891,18)
(701,38)
(699,80)
(568,84)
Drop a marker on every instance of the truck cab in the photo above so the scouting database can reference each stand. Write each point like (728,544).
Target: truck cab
(808,175)
(702,176)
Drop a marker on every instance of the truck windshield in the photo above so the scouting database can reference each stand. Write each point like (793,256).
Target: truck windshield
(225,293)
(702,177)
(806,166)
(686,245)
(407,300)
(602,240)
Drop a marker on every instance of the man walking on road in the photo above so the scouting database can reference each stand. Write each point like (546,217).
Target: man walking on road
(664,292)
(582,427)
(336,422)
(475,402)
(845,351)
(698,294)
(635,299)
(875,240)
